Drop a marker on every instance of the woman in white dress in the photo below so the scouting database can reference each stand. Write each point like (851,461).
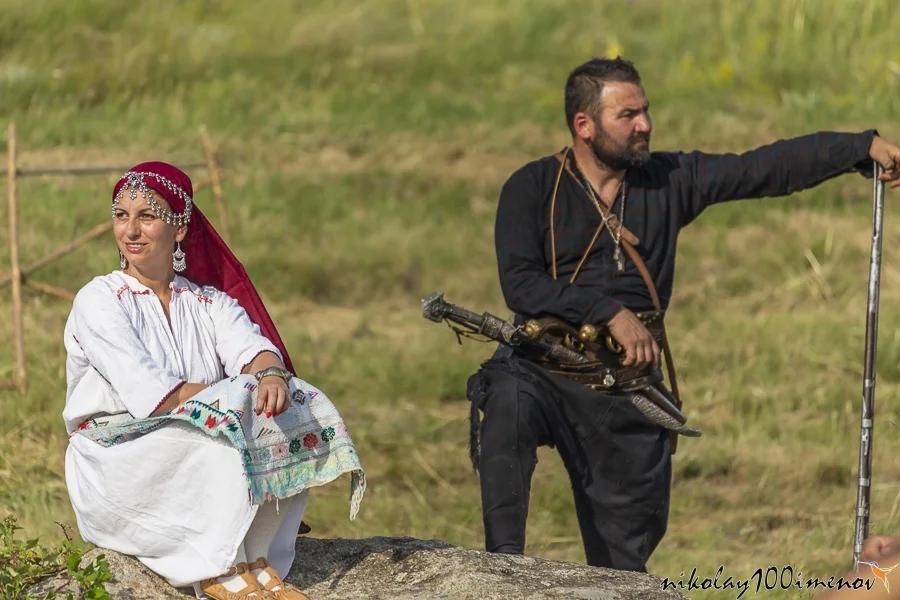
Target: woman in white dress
(192,445)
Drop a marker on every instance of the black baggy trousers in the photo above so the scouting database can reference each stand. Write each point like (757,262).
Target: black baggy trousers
(618,461)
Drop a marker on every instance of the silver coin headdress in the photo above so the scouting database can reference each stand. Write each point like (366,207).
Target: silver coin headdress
(134,183)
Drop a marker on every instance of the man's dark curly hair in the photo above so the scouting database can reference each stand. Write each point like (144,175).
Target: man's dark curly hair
(585,83)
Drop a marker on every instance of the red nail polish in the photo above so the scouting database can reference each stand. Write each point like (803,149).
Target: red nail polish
(268,414)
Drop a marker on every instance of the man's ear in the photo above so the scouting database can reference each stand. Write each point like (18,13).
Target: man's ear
(584,126)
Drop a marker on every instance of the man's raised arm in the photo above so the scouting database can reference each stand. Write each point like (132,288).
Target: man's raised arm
(780,168)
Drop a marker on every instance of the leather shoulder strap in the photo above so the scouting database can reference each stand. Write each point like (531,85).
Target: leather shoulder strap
(664,340)
(645,273)
(654,296)
(562,158)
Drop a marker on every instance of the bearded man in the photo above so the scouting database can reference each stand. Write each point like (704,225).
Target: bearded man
(588,237)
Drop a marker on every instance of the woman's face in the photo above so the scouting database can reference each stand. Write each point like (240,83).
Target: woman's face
(143,238)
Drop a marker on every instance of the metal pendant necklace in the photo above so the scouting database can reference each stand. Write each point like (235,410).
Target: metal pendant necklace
(614,232)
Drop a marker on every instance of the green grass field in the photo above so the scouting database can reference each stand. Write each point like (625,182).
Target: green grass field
(365,144)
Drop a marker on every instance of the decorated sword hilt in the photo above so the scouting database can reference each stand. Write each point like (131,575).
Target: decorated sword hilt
(435,308)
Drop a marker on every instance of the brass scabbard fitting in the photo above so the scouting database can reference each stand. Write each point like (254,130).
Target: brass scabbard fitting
(533,329)
(588,333)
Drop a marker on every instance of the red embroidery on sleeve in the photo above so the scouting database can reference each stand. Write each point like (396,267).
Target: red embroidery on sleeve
(166,397)
(251,360)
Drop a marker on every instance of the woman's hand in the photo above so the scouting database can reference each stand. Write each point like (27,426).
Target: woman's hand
(273,397)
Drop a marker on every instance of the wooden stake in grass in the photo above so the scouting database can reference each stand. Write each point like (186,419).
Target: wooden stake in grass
(14,260)
(65,250)
(83,170)
(50,290)
(213,167)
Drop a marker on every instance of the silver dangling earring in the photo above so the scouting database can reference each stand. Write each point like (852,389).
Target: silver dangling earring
(122,261)
(178,262)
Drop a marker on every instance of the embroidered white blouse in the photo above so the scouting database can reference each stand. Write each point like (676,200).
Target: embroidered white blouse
(123,356)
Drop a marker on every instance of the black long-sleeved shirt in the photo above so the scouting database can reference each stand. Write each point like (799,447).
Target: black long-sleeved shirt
(663,196)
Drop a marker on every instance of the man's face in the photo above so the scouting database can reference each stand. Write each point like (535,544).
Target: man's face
(621,137)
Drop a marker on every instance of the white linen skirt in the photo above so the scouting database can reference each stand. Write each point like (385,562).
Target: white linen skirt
(179,492)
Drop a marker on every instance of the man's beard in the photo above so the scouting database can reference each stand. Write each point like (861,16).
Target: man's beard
(619,157)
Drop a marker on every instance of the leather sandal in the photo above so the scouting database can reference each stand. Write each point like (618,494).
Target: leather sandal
(215,590)
(276,587)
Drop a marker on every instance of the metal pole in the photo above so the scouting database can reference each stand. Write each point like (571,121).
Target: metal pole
(867,407)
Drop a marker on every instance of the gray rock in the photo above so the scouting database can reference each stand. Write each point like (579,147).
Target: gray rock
(131,581)
(408,569)
(412,569)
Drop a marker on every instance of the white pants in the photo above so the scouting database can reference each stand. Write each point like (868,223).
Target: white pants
(272,535)
(273,532)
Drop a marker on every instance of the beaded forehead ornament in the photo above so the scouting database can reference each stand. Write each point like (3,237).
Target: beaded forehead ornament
(134,182)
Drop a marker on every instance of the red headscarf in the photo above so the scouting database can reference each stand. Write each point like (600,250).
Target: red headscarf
(209,260)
